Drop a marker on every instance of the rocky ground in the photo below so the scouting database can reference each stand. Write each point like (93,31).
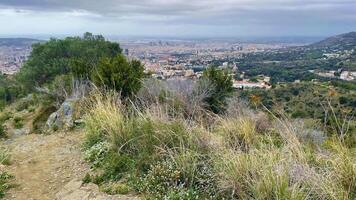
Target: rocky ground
(48,167)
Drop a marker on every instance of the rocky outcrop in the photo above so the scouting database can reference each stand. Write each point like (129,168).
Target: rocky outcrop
(76,190)
(64,117)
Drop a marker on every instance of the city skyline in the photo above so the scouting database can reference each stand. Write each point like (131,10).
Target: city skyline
(178,18)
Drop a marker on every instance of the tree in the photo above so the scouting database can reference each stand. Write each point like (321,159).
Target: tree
(221,81)
(72,55)
(119,74)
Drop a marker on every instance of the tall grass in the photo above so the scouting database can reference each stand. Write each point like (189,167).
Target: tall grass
(241,155)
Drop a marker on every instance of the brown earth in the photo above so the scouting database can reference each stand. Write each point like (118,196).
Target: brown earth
(47,166)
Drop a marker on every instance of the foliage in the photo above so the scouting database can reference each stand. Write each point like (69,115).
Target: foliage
(18,122)
(323,102)
(221,81)
(9,90)
(5,184)
(2,131)
(119,74)
(167,156)
(4,156)
(76,55)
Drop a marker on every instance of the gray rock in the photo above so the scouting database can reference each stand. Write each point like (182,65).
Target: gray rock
(20,132)
(63,118)
(76,190)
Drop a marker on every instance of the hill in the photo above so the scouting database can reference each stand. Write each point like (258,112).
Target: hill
(344,41)
(17,41)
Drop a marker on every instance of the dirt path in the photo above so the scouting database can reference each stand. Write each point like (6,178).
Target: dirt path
(43,164)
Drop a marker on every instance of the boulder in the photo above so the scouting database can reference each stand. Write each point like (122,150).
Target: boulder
(63,118)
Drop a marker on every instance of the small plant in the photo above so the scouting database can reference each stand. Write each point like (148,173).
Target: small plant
(97,153)
(18,122)
(116,188)
(4,156)
(5,116)
(2,131)
(5,183)
(87,178)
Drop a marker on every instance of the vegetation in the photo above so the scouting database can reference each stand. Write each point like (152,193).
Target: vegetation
(325,104)
(221,81)
(179,139)
(72,55)
(5,178)
(243,154)
(5,184)
(120,74)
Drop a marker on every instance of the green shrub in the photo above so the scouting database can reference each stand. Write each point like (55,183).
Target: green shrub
(5,183)
(5,116)
(119,74)
(116,188)
(72,55)
(96,153)
(18,122)
(4,157)
(117,166)
(2,131)
(222,84)
(24,103)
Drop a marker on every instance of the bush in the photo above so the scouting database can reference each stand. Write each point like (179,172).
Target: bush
(4,156)
(96,153)
(75,55)
(2,131)
(5,183)
(119,74)
(18,122)
(221,81)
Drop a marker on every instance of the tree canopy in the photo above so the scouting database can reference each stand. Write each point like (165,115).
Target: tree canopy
(75,55)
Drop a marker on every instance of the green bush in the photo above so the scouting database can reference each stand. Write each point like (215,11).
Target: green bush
(119,74)
(221,81)
(18,122)
(2,131)
(5,183)
(5,116)
(4,157)
(75,55)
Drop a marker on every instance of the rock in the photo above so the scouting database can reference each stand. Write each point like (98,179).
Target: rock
(63,118)
(79,122)
(76,190)
(22,131)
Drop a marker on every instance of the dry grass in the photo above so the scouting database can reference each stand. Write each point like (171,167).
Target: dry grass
(233,158)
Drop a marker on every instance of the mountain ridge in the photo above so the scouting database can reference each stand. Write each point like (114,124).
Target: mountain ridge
(345,41)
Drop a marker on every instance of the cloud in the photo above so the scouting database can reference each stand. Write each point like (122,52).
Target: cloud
(230,15)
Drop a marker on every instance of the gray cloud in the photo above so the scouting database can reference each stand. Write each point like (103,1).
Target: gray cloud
(310,16)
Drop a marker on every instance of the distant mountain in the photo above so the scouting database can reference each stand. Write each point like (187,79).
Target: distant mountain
(17,41)
(345,41)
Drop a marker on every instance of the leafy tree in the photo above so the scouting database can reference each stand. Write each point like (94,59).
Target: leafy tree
(119,74)
(222,83)
(74,55)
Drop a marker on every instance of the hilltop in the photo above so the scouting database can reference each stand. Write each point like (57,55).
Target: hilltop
(344,41)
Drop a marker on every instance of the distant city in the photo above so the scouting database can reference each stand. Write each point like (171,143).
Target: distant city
(184,59)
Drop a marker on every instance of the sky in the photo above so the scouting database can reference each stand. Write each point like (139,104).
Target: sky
(178,18)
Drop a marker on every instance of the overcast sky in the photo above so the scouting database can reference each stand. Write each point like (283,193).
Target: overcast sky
(178,18)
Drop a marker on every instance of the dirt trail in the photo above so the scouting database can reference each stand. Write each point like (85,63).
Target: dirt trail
(43,164)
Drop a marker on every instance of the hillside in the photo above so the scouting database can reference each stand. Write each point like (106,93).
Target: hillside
(17,41)
(345,41)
